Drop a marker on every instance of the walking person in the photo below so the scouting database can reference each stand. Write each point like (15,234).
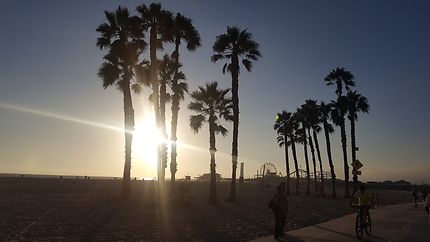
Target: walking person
(279,206)
(427,204)
(415,197)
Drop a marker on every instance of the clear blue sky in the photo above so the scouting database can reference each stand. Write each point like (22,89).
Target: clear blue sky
(49,62)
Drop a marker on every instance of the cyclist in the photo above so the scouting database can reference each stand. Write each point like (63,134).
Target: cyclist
(363,199)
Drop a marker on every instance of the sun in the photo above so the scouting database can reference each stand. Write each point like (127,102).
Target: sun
(146,139)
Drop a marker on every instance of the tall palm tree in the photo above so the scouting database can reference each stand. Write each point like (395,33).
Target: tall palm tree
(316,128)
(211,105)
(356,103)
(283,130)
(302,118)
(232,46)
(342,79)
(158,22)
(183,30)
(309,110)
(165,76)
(340,108)
(295,137)
(123,38)
(325,112)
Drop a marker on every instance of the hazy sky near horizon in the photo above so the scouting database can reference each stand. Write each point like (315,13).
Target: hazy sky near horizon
(51,100)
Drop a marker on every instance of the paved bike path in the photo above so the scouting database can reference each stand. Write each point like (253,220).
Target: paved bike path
(393,223)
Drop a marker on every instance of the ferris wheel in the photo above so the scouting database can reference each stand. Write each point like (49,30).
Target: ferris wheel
(268,168)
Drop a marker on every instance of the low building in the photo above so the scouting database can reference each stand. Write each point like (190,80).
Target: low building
(207,177)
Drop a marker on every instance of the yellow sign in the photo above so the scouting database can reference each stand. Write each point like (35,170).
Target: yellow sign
(357,164)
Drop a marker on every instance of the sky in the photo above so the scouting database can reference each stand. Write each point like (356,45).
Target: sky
(56,118)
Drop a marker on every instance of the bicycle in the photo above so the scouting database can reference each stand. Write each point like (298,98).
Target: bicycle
(363,222)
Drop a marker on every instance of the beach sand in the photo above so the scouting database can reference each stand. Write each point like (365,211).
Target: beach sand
(76,210)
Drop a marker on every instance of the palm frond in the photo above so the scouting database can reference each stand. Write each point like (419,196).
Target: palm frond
(196,122)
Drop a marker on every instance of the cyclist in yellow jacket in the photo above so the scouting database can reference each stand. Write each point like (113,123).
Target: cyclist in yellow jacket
(364,201)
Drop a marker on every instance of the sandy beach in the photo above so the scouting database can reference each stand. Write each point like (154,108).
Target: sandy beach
(76,210)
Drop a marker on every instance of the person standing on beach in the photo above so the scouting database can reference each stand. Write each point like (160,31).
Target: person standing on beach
(415,197)
(427,204)
(279,206)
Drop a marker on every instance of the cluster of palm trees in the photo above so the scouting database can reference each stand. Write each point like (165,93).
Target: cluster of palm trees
(303,126)
(123,37)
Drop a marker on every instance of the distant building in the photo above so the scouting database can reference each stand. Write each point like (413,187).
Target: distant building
(207,177)
(187,178)
(395,185)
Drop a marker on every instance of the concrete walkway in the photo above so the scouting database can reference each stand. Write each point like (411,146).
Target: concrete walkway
(392,223)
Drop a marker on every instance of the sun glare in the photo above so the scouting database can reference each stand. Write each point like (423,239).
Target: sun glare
(146,138)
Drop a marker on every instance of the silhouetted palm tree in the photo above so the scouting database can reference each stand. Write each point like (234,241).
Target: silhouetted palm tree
(295,137)
(234,45)
(158,22)
(166,73)
(316,128)
(356,103)
(302,119)
(325,112)
(342,79)
(183,30)
(123,37)
(283,130)
(211,105)
(340,108)
(310,111)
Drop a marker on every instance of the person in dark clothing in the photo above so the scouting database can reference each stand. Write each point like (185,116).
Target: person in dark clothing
(279,206)
(415,197)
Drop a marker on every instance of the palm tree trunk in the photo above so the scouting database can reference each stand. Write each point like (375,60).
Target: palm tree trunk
(308,175)
(212,187)
(354,157)
(330,160)
(313,160)
(317,147)
(345,157)
(174,126)
(287,163)
(163,145)
(235,99)
(296,164)
(155,92)
(129,128)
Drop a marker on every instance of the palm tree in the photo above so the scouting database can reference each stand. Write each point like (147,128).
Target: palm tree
(122,36)
(165,75)
(234,45)
(183,30)
(342,79)
(316,128)
(283,130)
(211,105)
(356,103)
(325,111)
(309,110)
(302,118)
(158,22)
(340,108)
(295,137)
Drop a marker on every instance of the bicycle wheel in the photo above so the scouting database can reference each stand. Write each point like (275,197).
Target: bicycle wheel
(359,227)
(368,227)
